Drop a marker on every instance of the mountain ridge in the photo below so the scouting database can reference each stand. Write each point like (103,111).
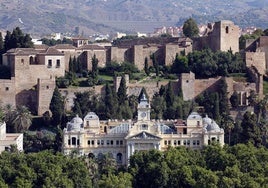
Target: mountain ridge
(109,16)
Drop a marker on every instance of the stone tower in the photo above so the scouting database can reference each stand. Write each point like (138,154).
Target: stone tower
(222,35)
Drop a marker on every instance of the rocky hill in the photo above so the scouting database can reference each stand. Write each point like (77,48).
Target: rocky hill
(107,16)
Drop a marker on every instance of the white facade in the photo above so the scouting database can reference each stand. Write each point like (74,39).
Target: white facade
(8,139)
(121,139)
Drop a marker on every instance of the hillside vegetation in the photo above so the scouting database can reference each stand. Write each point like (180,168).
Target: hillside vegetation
(105,16)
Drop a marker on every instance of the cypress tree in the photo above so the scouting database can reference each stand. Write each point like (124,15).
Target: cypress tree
(56,107)
(95,72)
(122,91)
(170,96)
(71,68)
(7,41)
(1,47)
(146,66)
(143,91)
(110,102)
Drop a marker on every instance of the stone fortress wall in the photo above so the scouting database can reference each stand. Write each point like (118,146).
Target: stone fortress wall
(33,79)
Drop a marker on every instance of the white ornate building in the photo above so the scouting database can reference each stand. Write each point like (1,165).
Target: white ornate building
(121,139)
(8,139)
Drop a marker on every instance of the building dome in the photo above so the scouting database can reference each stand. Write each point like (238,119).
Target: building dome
(75,124)
(213,126)
(91,115)
(207,120)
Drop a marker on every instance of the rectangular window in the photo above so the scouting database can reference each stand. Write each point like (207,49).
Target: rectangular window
(121,142)
(88,142)
(117,142)
(69,142)
(58,63)
(179,142)
(98,142)
(184,130)
(175,142)
(78,142)
(49,65)
(198,142)
(108,142)
(112,142)
(184,142)
(102,142)
(165,142)
(188,142)
(194,142)
(92,142)
(169,142)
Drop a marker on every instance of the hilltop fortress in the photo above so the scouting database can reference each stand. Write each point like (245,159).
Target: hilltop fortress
(34,70)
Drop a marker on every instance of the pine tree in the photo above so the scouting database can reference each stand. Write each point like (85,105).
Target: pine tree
(56,107)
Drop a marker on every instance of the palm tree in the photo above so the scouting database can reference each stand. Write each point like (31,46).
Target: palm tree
(8,117)
(22,119)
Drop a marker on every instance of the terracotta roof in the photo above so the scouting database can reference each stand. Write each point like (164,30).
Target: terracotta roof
(22,51)
(91,47)
(51,51)
(64,46)
(41,47)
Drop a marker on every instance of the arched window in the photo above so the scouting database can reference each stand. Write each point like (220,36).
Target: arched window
(226,29)
(31,60)
(73,141)
(119,158)
(105,129)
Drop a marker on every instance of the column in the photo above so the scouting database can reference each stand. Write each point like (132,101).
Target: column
(128,151)
(132,148)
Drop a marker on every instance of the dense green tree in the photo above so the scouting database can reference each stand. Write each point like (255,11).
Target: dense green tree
(180,64)
(251,130)
(57,107)
(190,28)
(122,180)
(17,39)
(84,103)
(203,63)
